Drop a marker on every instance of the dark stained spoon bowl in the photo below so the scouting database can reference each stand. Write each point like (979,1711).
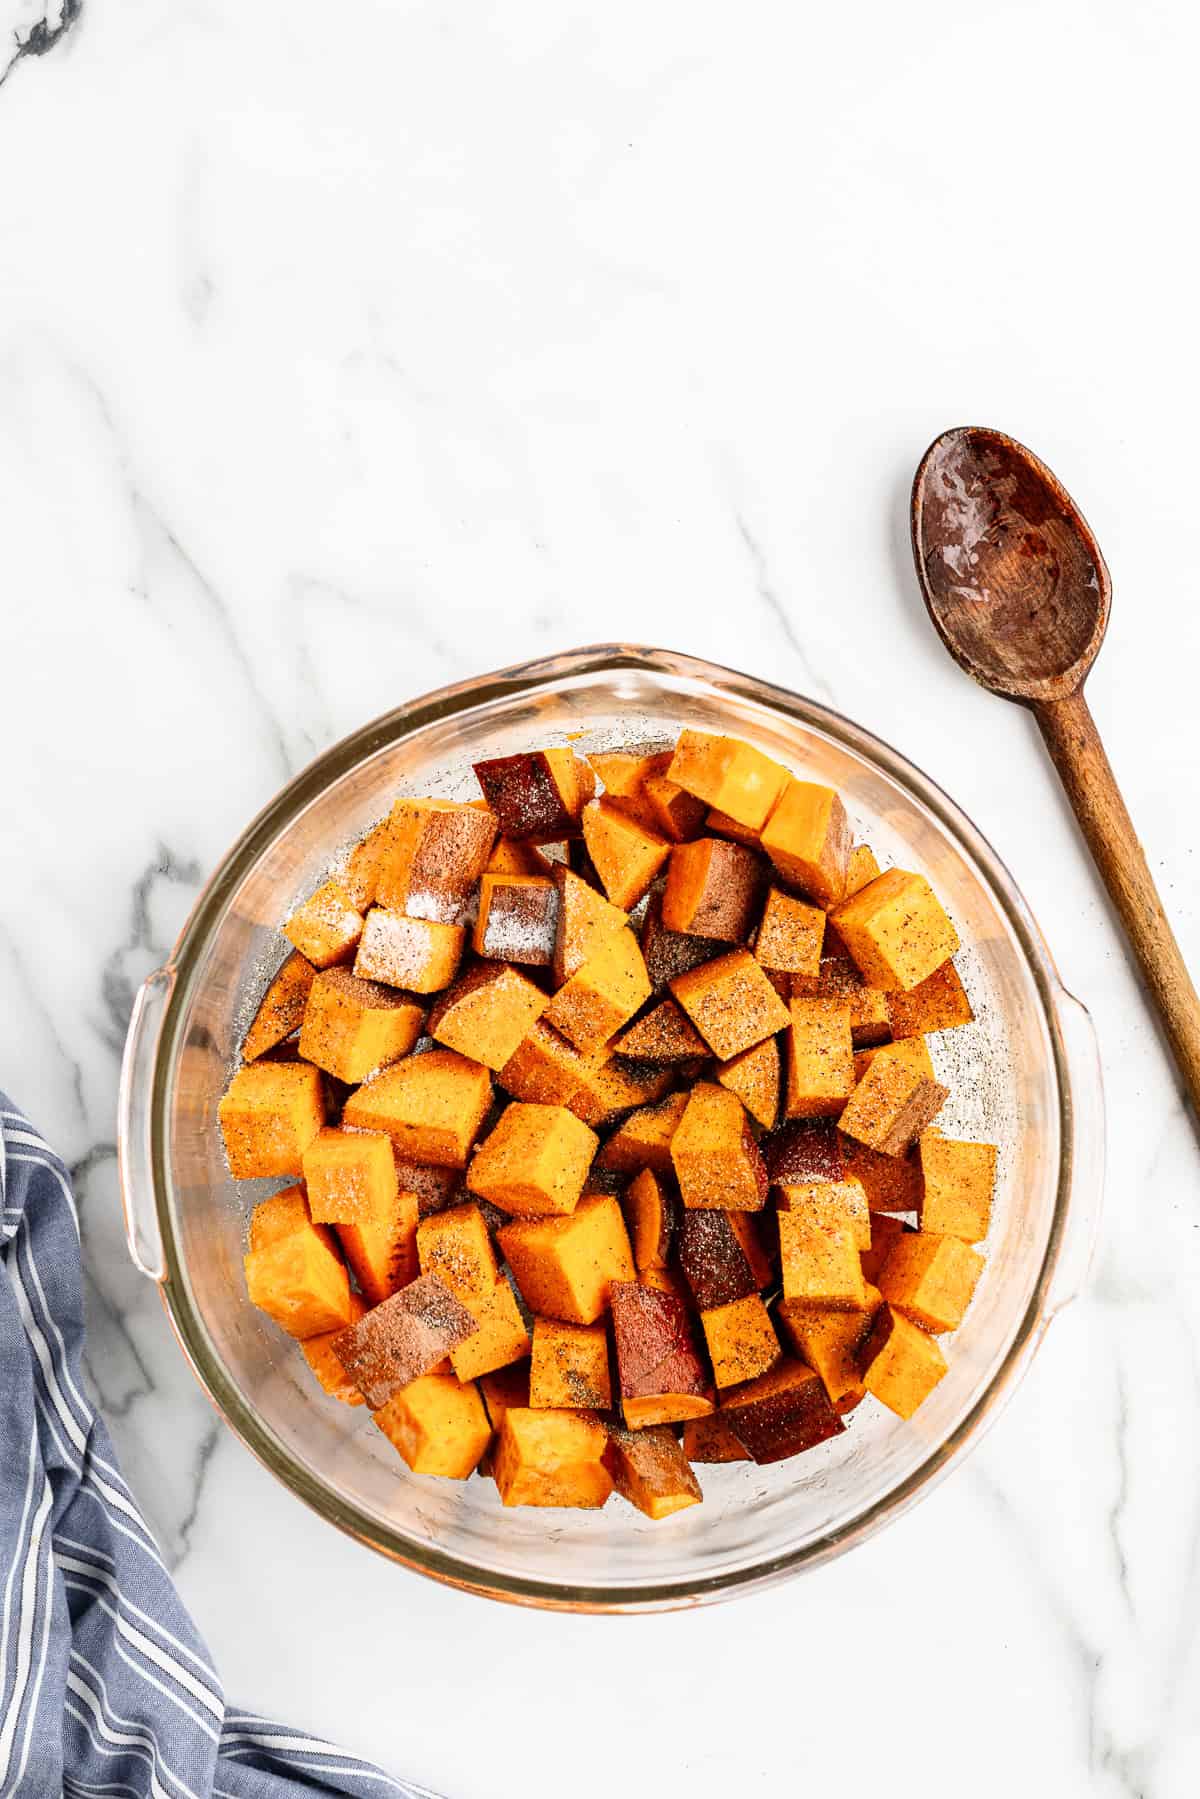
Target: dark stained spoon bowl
(1015,584)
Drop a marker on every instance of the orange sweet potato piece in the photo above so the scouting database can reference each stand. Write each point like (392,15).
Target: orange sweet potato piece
(505,1387)
(644,1139)
(651,1210)
(281,1007)
(438,1425)
(279,1216)
(624,775)
(912,1050)
(431,1106)
(359,880)
(585,919)
(518,919)
(892,1105)
(820,1262)
(838,979)
(300,1283)
(896,930)
(350,1176)
(352,1028)
(712,889)
(886,1232)
(803,1150)
(754,1076)
(417,953)
(958,1179)
(508,858)
(405,1337)
(435,853)
(931,1279)
(326,927)
(721,1266)
(626,855)
(537,796)
(711,1440)
(602,995)
(318,1353)
(551,1458)
(729,775)
(841,1203)
(500,1338)
(269,1114)
(565,1266)
(830,1343)
(790,935)
(457,1245)
(662,1375)
(861,868)
(674,813)
(731,1003)
(820,1061)
(741,1340)
(650,1470)
(899,1363)
(671,953)
(938,1003)
(664,1034)
(891,1183)
(808,839)
(715,1157)
(382,1249)
(487,1013)
(535,1161)
(569,1366)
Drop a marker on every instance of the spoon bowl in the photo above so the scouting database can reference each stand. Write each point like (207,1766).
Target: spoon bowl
(1010,570)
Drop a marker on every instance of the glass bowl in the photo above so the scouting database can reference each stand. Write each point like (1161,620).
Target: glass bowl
(1024,1075)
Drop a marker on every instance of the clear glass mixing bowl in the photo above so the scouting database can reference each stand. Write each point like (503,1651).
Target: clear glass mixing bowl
(1024,1075)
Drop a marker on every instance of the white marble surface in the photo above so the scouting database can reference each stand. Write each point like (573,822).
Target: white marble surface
(344,352)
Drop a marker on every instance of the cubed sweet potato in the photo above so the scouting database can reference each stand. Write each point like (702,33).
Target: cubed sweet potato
(886,1232)
(500,1338)
(535,1161)
(318,1353)
(727,774)
(551,1458)
(674,812)
(644,1139)
(281,1007)
(892,1105)
(350,1176)
(650,1470)
(830,1343)
(300,1282)
(569,1365)
(457,1246)
(431,1106)
(839,1203)
(419,954)
(710,1439)
(662,1375)
(715,1260)
(820,1059)
(808,839)
(899,1363)
(626,855)
(671,953)
(784,1412)
(438,1425)
(938,1003)
(537,795)
(755,1077)
(802,1150)
(651,1211)
(790,935)
(326,928)
(402,1339)
(712,889)
(602,995)
(382,1248)
(518,919)
(931,1279)
(958,1179)
(487,1013)
(352,1028)
(821,1263)
(269,1114)
(715,1157)
(583,921)
(891,1183)
(731,1003)
(565,1266)
(896,930)
(741,1340)
(665,1034)
(436,851)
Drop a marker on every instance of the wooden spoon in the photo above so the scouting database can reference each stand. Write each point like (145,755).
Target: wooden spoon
(1015,583)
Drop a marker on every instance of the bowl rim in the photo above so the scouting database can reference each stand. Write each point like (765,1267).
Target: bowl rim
(383,732)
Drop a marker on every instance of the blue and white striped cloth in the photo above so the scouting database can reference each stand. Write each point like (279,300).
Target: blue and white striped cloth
(105,1686)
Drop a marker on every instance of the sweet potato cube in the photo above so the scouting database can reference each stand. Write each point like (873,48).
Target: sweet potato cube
(300,1282)
(402,1339)
(281,1007)
(662,1375)
(913,1051)
(551,1458)
(569,1366)
(326,927)
(644,1139)
(839,1203)
(269,1114)
(711,1440)
(624,775)
(729,775)
(501,1337)
(838,979)
(790,935)
(487,1013)
(350,1176)
(671,953)
(585,920)
(891,1183)
(418,953)
(509,858)
(899,1363)
(741,1340)
(518,919)
(782,1413)
(718,1264)
(436,852)
(438,1424)
(861,868)
(382,1249)
(662,1035)
(931,1279)
(803,1150)
(352,1028)
(651,1210)
(431,1106)
(612,1086)
(318,1353)
(892,1105)
(433,1187)
(820,1263)
(886,1232)
(537,796)
(535,1161)
(896,930)
(457,1246)
(830,1342)
(505,1387)
(602,995)
(721,825)
(667,1280)
(714,1154)
(731,1003)
(958,1180)
(650,1470)
(808,839)
(820,1059)
(938,1003)
(754,1076)
(712,889)
(674,812)
(279,1216)
(565,1267)
(546,1070)
(359,880)
(626,855)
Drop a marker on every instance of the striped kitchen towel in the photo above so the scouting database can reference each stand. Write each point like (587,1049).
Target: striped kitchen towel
(105,1686)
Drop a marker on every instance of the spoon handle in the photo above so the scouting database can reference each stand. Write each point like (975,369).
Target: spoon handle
(1078,754)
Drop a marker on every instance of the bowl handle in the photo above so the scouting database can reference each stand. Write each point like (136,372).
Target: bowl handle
(134,1154)
(1087,1153)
